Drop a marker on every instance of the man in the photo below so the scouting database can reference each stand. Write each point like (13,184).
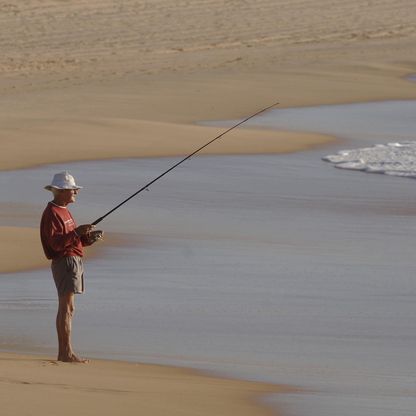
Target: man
(63,243)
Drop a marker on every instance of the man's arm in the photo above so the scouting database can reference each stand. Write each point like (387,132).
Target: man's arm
(57,238)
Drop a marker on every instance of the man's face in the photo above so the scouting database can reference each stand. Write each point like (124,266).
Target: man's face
(67,196)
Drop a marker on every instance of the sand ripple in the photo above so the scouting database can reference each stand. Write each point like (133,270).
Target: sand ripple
(85,38)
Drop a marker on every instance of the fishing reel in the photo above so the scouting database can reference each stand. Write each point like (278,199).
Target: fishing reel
(95,235)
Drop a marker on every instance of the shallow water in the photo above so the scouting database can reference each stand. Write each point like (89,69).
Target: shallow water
(377,122)
(276,268)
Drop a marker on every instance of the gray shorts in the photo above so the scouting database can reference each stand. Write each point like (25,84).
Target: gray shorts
(68,274)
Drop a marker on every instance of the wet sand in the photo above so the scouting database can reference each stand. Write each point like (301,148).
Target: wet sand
(38,385)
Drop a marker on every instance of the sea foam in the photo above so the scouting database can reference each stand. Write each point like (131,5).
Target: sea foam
(398,159)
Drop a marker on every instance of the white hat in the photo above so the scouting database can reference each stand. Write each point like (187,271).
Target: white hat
(62,180)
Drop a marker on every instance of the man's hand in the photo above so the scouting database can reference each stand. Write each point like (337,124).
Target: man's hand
(94,236)
(84,229)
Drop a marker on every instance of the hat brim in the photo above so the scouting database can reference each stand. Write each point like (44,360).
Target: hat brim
(51,187)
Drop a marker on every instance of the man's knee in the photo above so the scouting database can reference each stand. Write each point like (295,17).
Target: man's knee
(66,304)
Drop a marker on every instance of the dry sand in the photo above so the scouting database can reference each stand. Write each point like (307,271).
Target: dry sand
(91,79)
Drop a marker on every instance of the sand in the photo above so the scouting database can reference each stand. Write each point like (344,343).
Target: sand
(113,88)
(33,385)
(103,79)
(11,246)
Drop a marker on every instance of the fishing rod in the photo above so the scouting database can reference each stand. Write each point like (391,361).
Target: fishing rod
(180,162)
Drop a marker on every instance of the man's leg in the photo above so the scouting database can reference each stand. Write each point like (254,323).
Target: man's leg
(66,310)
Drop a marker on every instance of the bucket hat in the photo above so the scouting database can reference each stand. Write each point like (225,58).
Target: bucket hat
(62,180)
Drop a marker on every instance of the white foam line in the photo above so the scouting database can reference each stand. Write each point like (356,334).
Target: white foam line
(395,158)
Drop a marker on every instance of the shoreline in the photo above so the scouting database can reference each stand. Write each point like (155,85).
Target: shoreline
(141,122)
(106,386)
(157,140)
(256,140)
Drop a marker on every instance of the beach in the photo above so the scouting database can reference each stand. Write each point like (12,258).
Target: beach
(141,81)
(106,387)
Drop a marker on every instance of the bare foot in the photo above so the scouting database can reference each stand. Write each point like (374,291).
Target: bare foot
(72,358)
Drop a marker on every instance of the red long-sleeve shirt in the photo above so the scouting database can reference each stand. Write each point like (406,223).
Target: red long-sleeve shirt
(57,233)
